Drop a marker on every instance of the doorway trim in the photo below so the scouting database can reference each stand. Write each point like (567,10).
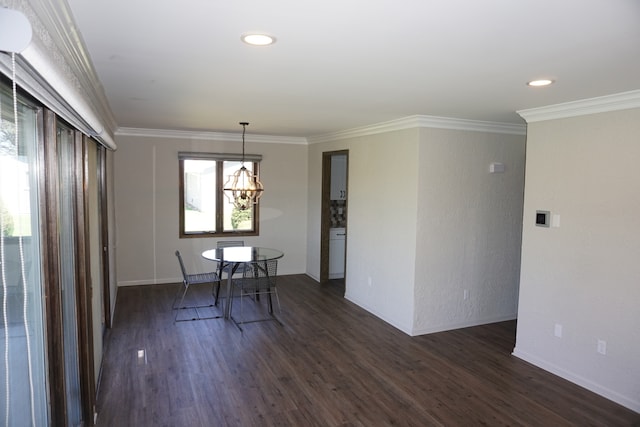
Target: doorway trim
(325,214)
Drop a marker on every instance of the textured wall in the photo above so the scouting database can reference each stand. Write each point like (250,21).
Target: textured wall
(381,221)
(469,229)
(427,220)
(381,225)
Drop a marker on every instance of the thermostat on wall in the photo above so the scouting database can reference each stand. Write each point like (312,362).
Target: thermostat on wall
(496,167)
(543,218)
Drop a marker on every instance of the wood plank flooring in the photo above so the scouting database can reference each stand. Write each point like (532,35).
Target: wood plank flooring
(330,364)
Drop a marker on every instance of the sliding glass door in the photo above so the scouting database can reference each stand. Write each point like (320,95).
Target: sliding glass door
(23,389)
(96,249)
(67,259)
(52,314)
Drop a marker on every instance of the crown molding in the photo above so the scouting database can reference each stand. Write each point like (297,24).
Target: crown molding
(411,122)
(471,125)
(55,68)
(419,121)
(602,104)
(208,136)
(57,34)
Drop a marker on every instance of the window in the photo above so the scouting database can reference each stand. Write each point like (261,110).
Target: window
(205,210)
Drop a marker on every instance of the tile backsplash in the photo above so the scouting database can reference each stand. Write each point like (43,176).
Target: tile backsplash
(338,210)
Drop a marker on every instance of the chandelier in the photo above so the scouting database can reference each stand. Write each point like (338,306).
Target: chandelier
(243,189)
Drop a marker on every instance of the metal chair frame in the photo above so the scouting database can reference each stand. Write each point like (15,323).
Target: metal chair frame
(228,268)
(195,279)
(258,278)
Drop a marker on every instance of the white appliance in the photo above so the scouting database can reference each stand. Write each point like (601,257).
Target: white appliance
(337,238)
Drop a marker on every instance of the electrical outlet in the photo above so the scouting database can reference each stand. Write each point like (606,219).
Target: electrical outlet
(602,347)
(557,331)
(466,294)
(370,282)
(142,357)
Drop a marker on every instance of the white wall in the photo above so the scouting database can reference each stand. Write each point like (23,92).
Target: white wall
(382,187)
(381,225)
(469,229)
(584,274)
(426,220)
(147,206)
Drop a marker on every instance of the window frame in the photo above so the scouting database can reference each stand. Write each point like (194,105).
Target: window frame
(221,199)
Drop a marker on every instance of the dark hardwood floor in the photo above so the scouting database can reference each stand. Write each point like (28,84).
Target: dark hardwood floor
(329,364)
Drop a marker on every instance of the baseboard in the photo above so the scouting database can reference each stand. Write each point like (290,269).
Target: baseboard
(179,280)
(467,324)
(614,396)
(378,315)
(311,276)
(149,282)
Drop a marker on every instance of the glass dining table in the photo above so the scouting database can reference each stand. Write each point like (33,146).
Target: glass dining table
(235,256)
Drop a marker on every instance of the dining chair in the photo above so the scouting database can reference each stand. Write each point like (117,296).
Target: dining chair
(258,278)
(194,279)
(226,267)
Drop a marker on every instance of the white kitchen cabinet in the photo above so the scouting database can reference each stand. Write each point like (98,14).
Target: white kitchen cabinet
(337,237)
(339,177)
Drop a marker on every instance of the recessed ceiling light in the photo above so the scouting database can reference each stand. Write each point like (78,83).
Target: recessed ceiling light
(540,82)
(256,39)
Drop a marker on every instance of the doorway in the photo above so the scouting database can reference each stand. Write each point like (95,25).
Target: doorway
(333,229)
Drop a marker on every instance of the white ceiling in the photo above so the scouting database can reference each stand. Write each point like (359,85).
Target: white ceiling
(343,64)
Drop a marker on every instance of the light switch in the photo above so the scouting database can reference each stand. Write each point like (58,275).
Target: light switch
(557,330)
